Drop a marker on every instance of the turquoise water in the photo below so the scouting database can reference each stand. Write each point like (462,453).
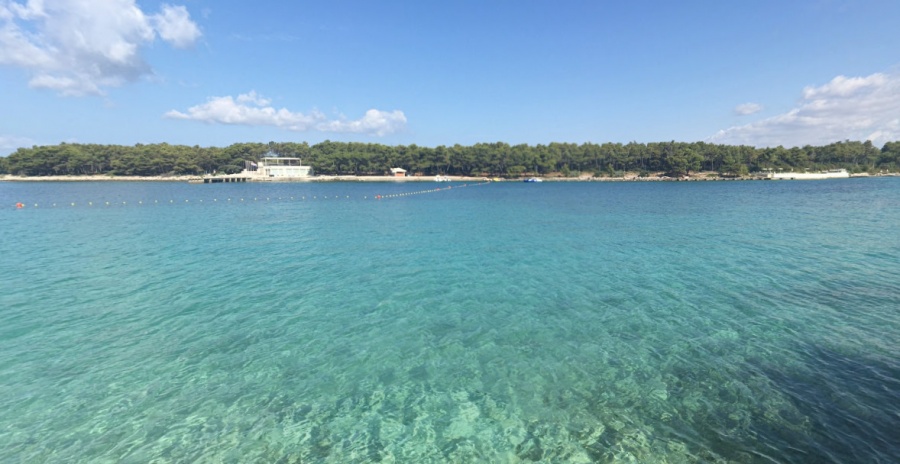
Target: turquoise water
(509,322)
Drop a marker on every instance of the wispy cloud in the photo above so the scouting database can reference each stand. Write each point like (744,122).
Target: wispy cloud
(747,109)
(252,109)
(9,143)
(80,47)
(277,37)
(854,108)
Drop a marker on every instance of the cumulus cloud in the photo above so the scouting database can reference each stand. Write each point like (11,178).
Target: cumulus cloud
(174,25)
(251,109)
(747,109)
(79,47)
(374,122)
(847,108)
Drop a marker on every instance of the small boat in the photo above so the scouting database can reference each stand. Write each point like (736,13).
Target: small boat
(441,178)
(533,179)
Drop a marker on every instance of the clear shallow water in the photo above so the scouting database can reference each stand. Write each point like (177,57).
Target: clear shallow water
(651,322)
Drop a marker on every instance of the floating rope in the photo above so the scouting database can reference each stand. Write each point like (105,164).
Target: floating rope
(406,194)
(228,200)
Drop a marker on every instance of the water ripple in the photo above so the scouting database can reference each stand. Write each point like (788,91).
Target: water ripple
(680,322)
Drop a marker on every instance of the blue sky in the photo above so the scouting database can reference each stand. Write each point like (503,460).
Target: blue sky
(199,72)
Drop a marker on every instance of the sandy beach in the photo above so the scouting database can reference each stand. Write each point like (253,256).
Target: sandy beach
(628,177)
(346,178)
(106,178)
(101,178)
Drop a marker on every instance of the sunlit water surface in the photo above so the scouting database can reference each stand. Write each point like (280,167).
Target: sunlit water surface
(508,322)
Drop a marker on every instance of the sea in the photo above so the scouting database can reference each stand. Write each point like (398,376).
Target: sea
(504,322)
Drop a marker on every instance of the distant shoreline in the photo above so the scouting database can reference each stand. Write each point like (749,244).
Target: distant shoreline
(100,178)
(630,177)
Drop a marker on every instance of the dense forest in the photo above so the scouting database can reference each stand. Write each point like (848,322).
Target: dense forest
(482,159)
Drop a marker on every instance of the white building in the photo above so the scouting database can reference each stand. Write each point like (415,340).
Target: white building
(277,167)
(831,174)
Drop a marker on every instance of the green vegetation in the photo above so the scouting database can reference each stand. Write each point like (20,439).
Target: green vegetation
(482,159)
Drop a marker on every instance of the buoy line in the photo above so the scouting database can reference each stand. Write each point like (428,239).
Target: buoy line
(235,200)
(439,189)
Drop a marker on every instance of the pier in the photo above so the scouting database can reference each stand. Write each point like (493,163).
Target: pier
(218,180)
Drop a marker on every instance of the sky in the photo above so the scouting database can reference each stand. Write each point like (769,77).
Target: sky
(213,73)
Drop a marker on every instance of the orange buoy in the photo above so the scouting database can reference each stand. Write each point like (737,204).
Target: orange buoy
(20,205)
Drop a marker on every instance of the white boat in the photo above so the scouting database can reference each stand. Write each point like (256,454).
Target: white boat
(830,174)
(441,179)
(533,179)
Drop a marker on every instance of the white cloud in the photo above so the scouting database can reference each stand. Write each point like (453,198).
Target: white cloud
(251,109)
(9,143)
(747,109)
(174,25)
(253,98)
(374,122)
(847,108)
(844,86)
(79,47)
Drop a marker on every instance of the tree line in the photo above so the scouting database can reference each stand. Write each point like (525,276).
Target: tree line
(481,159)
